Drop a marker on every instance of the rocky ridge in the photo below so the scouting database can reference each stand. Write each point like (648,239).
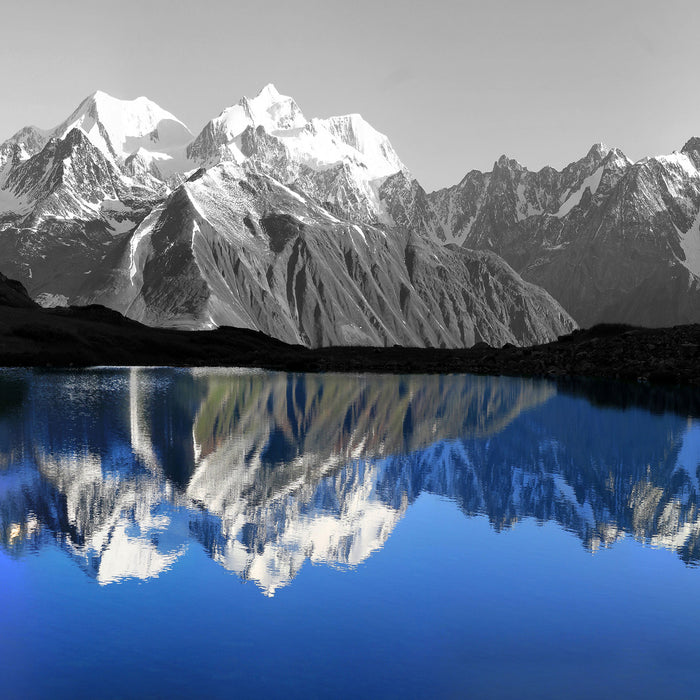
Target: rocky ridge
(611,240)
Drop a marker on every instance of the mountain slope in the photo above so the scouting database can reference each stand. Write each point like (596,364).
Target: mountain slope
(229,248)
(611,240)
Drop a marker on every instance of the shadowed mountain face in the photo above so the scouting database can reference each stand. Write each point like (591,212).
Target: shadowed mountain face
(124,470)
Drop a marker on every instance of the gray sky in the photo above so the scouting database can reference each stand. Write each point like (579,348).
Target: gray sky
(453,84)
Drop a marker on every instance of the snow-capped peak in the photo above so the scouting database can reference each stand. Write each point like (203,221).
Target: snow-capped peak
(374,149)
(599,150)
(119,128)
(269,109)
(678,161)
(317,144)
(269,93)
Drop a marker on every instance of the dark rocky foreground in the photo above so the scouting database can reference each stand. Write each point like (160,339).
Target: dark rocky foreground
(31,336)
(93,335)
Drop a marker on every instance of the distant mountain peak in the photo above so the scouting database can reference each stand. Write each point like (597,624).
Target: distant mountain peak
(104,102)
(268,92)
(599,150)
(506,163)
(120,127)
(102,96)
(691,145)
(269,109)
(289,144)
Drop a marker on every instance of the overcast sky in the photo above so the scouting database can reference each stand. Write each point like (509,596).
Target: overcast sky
(453,83)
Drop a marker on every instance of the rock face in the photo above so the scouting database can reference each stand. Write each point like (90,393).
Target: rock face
(611,240)
(305,230)
(250,252)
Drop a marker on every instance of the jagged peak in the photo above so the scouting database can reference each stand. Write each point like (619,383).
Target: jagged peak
(75,137)
(29,130)
(691,145)
(603,155)
(506,163)
(352,117)
(269,92)
(24,143)
(76,141)
(269,108)
(353,123)
(99,96)
(267,98)
(679,160)
(599,150)
(616,156)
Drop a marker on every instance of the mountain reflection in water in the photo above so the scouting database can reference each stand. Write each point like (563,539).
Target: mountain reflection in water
(126,469)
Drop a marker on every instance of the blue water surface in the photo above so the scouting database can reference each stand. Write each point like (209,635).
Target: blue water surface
(235,533)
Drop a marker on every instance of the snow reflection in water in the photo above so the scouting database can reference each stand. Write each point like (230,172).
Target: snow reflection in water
(127,469)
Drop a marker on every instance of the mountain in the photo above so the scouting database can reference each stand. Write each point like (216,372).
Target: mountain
(251,252)
(70,178)
(266,214)
(340,161)
(611,240)
(265,220)
(126,132)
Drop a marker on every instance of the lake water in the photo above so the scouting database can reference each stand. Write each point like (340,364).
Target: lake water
(236,533)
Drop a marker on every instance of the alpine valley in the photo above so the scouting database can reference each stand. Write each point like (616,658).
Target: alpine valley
(314,232)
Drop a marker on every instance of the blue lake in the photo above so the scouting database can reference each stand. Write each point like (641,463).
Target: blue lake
(237,533)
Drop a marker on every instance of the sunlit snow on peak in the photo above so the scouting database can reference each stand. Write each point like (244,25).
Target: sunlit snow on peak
(268,109)
(121,127)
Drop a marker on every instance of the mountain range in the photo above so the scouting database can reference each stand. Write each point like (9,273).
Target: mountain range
(314,232)
(611,240)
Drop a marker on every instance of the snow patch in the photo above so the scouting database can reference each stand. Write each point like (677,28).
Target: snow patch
(690,243)
(51,301)
(10,203)
(679,160)
(590,183)
(291,192)
(361,232)
(145,228)
(524,209)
